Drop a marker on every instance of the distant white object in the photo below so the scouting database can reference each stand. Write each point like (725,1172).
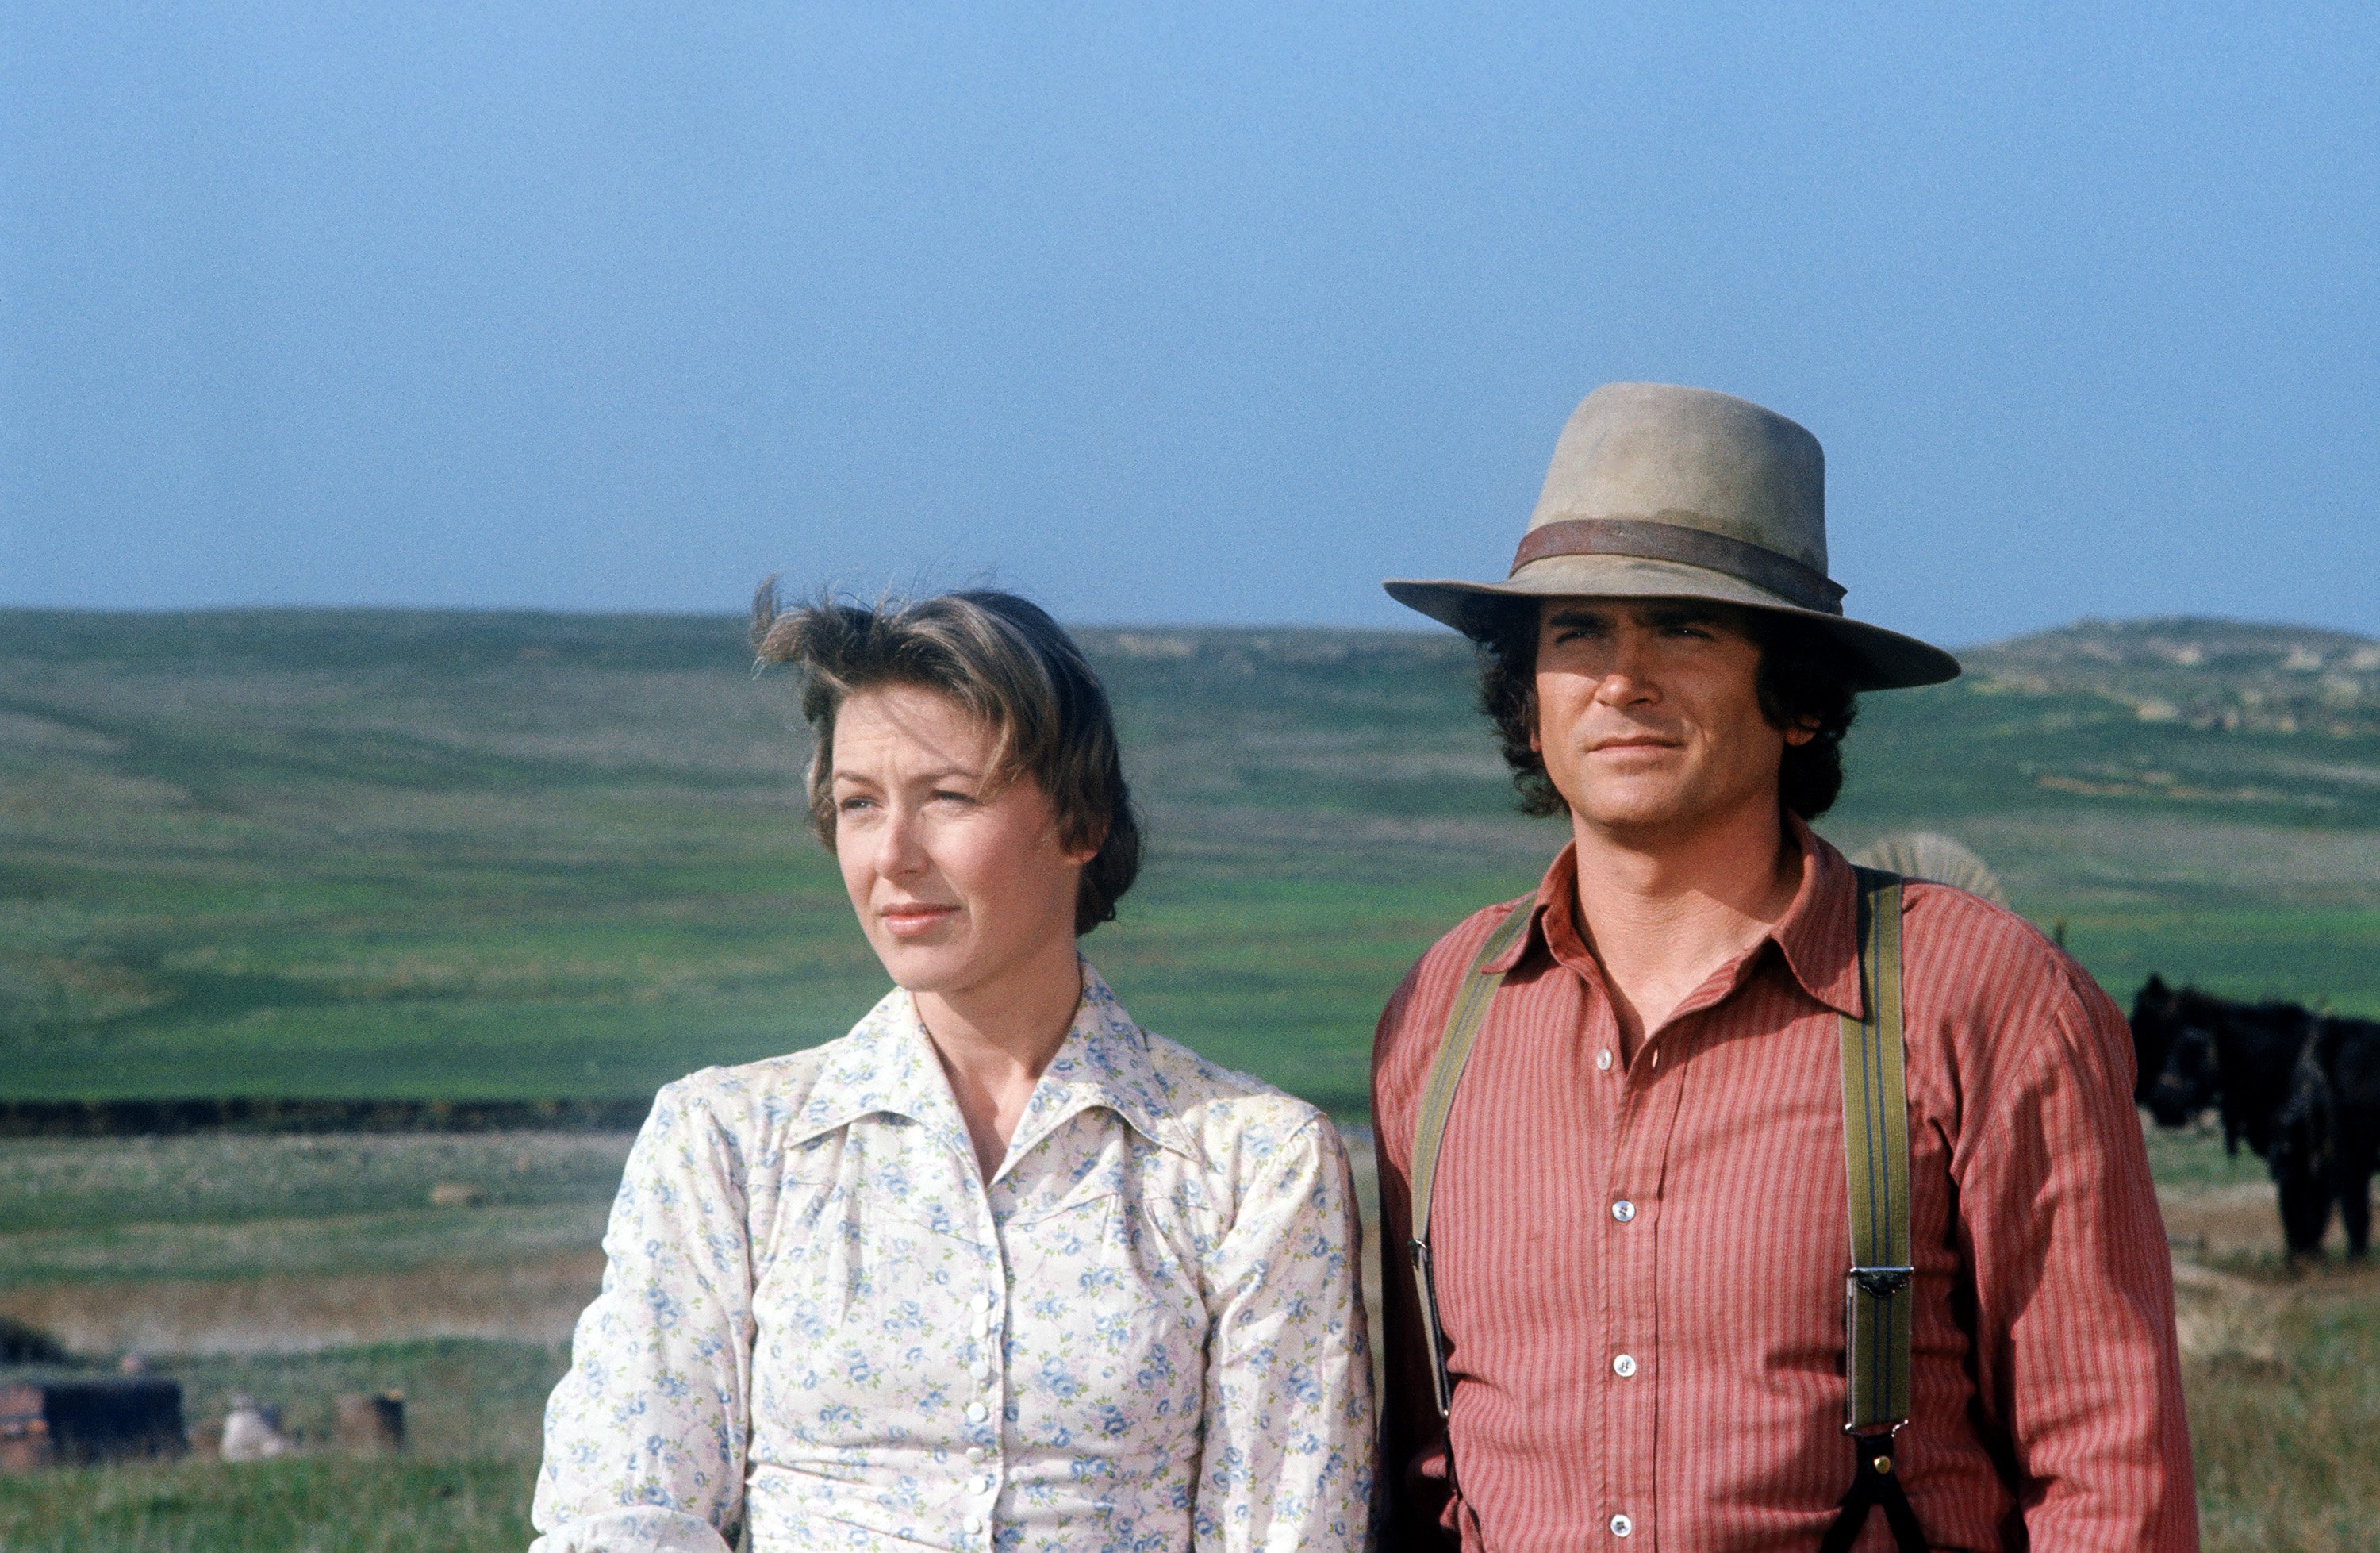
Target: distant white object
(1922,854)
(253,1432)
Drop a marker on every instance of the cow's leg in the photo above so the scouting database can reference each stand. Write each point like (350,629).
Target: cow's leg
(2353,1166)
(2305,1209)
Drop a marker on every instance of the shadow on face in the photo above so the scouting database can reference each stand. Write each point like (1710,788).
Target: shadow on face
(1648,712)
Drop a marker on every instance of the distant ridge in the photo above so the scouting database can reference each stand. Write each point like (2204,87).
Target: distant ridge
(2207,672)
(2233,675)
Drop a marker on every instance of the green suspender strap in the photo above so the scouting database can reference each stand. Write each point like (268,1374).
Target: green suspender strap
(1471,1000)
(1877,1298)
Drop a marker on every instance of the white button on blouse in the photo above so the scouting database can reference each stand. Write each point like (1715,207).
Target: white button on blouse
(801,1247)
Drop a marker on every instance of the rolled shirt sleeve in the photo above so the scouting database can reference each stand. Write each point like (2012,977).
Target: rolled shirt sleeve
(1287,1463)
(646,1437)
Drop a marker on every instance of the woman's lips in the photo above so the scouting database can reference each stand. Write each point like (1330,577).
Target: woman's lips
(910,921)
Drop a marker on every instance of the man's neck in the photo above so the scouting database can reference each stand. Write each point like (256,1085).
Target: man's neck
(1662,912)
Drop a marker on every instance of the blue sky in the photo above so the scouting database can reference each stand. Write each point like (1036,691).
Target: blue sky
(1214,313)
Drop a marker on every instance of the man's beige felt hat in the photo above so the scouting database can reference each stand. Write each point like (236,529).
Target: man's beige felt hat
(1658,492)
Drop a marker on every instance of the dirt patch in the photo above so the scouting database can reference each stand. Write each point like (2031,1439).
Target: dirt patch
(2221,1221)
(534,1300)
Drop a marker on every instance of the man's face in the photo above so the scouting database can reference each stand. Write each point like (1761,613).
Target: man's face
(1648,715)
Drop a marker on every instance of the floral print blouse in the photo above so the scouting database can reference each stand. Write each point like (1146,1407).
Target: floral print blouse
(819,1322)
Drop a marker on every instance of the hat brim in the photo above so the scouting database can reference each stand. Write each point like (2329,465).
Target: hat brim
(1889,661)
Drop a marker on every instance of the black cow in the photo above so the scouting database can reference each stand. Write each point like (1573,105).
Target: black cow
(2336,1106)
(2197,1051)
(2301,1091)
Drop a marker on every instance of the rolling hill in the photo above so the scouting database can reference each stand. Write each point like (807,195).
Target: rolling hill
(418,853)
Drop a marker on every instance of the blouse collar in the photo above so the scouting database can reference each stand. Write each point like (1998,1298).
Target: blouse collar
(887,1066)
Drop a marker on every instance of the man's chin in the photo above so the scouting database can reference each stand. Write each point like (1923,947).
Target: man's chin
(1626,815)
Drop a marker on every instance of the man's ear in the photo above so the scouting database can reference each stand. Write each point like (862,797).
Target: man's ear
(1801,733)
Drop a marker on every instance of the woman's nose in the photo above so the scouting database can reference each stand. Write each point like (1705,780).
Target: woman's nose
(899,847)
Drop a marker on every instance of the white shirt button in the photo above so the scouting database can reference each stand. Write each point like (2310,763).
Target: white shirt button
(1603,1060)
(977,1413)
(1624,1210)
(1621,1525)
(1624,1365)
(983,1486)
(975,1453)
(975,1525)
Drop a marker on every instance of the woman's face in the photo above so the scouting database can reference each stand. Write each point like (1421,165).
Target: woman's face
(958,884)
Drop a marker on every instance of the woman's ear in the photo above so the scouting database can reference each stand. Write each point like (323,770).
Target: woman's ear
(1080,852)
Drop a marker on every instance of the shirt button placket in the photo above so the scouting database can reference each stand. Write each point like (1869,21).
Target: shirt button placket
(982,1483)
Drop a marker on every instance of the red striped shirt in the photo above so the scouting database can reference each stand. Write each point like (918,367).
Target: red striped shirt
(1678,1361)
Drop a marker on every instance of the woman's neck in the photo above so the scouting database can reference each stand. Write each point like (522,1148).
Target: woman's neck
(995,1037)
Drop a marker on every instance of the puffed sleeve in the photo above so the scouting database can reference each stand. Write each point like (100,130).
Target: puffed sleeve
(1287,1457)
(645,1437)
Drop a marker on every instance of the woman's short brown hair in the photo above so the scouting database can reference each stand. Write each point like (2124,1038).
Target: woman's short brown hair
(1805,680)
(1004,659)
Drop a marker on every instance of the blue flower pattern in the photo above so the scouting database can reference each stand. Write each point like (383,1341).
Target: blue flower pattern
(818,1322)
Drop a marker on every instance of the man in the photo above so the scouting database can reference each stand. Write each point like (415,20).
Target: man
(1639,1215)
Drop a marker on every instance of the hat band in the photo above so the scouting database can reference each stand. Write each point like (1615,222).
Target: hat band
(1763,567)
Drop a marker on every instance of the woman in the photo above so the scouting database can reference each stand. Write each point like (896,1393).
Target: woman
(998,1269)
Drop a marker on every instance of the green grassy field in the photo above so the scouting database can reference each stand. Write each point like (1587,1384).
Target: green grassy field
(418,854)
(2285,1397)
(424,855)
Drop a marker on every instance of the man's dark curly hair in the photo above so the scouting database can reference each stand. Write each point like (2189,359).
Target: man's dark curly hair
(1805,677)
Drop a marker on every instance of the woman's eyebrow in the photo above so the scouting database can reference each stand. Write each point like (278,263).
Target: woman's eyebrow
(937,774)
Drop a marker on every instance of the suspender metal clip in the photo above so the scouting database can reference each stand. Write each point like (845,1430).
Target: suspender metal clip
(1881,1283)
(1425,1274)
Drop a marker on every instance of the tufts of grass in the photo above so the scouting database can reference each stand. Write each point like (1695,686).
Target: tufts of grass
(315,1505)
(2285,1452)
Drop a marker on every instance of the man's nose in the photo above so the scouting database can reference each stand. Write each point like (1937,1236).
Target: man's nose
(1624,678)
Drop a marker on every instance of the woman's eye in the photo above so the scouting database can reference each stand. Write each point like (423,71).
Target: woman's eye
(953,795)
(852,805)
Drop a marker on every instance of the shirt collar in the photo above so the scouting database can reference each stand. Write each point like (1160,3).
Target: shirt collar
(887,1066)
(1817,937)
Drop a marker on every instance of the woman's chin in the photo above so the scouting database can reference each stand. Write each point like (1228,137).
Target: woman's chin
(929,967)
